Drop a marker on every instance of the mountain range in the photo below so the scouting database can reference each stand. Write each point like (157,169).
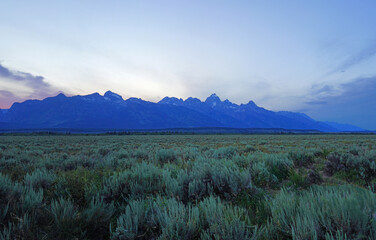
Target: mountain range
(111,111)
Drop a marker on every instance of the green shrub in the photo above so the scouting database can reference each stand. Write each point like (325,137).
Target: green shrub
(165,155)
(175,220)
(278,164)
(122,153)
(302,158)
(169,219)
(75,162)
(21,229)
(335,162)
(6,233)
(66,221)
(250,148)
(139,182)
(358,167)
(355,150)
(132,224)
(96,218)
(261,176)
(142,153)
(224,152)
(314,177)
(256,201)
(75,183)
(14,168)
(190,153)
(31,200)
(325,211)
(267,170)
(243,162)
(10,198)
(220,221)
(210,176)
(103,151)
(8,189)
(298,180)
(40,178)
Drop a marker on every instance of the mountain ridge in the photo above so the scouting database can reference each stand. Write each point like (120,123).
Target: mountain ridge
(112,111)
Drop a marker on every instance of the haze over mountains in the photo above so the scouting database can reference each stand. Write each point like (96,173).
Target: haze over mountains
(111,111)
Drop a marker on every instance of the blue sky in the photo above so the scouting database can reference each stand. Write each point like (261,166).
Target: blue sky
(316,57)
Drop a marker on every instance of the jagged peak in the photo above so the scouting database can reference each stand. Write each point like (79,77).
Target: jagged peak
(61,95)
(111,95)
(135,100)
(213,98)
(92,95)
(230,104)
(251,104)
(171,100)
(191,99)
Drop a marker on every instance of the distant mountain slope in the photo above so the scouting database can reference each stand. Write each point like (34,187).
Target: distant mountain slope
(111,111)
(248,115)
(2,114)
(345,127)
(96,111)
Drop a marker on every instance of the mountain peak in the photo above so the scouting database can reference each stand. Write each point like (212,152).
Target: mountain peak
(213,95)
(61,95)
(92,95)
(192,100)
(112,96)
(213,99)
(251,104)
(171,101)
(134,100)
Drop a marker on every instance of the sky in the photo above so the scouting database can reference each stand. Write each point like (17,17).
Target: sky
(316,57)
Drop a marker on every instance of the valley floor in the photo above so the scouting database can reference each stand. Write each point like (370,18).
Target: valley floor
(188,186)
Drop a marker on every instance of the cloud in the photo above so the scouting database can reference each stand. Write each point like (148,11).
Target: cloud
(318,102)
(360,87)
(358,58)
(362,56)
(7,98)
(8,94)
(31,80)
(354,102)
(37,85)
(319,89)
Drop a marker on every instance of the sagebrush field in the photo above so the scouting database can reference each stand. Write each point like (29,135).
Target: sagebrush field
(188,187)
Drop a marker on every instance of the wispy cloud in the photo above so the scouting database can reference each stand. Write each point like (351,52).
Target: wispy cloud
(38,86)
(316,102)
(318,89)
(362,56)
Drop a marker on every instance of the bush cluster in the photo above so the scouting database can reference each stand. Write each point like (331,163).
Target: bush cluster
(187,187)
(268,170)
(344,212)
(170,219)
(353,166)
